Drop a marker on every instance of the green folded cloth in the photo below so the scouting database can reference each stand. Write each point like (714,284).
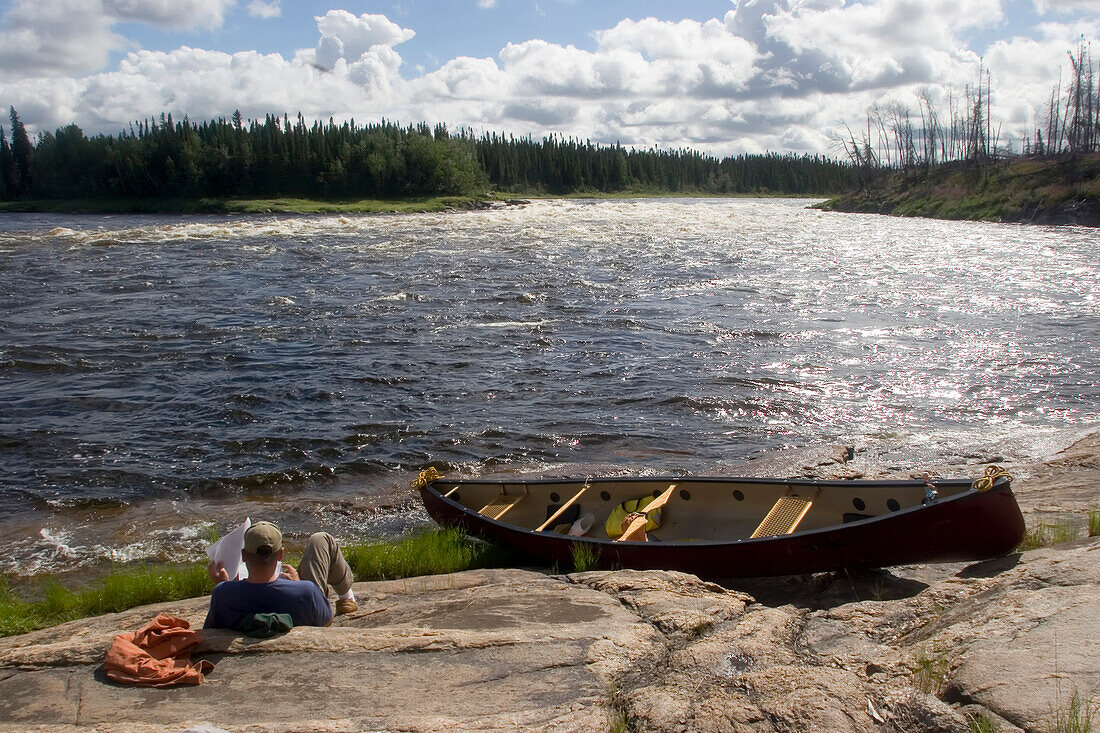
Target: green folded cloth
(263,625)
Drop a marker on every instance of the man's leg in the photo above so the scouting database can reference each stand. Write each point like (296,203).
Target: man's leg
(324,564)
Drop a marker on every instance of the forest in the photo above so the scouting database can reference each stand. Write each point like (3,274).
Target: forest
(279,156)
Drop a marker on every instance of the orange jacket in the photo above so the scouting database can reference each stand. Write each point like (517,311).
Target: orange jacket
(157,655)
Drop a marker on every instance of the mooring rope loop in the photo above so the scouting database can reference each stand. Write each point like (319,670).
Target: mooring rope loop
(992,473)
(425,478)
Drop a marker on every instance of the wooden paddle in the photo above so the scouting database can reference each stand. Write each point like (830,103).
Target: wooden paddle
(636,531)
(562,508)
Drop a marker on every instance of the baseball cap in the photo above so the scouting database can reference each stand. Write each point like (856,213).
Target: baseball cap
(263,539)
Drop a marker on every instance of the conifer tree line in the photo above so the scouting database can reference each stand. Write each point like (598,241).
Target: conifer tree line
(179,159)
(278,156)
(559,165)
(897,137)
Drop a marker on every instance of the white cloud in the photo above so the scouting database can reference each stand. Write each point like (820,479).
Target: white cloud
(348,37)
(486,4)
(209,84)
(358,81)
(1066,6)
(836,47)
(265,10)
(46,105)
(60,37)
(463,78)
(51,37)
(170,13)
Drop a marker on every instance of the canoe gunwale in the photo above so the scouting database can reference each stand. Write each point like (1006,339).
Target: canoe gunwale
(1000,485)
(969,526)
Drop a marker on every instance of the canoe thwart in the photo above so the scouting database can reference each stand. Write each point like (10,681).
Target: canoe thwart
(499,506)
(785,516)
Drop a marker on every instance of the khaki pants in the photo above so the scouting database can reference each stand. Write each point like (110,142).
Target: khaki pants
(324,564)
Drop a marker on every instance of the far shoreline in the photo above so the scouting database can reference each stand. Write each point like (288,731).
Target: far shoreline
(297,205)
(277,205)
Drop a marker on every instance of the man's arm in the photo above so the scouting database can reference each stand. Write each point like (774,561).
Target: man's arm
(319,608)
(212,621)
(320,611)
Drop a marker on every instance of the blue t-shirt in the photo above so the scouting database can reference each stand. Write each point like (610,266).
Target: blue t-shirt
(232,600)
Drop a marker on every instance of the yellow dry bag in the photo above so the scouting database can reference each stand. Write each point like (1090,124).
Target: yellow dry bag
(614,523)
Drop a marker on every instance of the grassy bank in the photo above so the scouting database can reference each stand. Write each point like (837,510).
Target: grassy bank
(242,206)
(1023,190)
(121,589)
(429,553)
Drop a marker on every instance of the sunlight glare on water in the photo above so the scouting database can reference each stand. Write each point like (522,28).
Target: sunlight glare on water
(166,364)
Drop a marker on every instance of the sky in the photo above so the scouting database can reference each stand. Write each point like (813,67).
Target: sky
(723,76)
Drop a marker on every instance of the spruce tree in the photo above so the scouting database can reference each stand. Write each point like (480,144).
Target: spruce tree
(22,153)
(7,179)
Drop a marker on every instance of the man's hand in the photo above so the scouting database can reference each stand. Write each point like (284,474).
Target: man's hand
(289,572)
(217,572)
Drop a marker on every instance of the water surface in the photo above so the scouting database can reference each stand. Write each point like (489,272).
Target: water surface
(158,373)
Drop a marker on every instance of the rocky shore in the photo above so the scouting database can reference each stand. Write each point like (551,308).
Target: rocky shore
(1005,642)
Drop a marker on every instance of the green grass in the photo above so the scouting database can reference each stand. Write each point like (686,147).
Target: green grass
(1014,190)
(585,557)
(121,589)
(980,724)
(1047,535)
(618,717)
(1094,522)
(1076,717)
(930,673)
(430,553)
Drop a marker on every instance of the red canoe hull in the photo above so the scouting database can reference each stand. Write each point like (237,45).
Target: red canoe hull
(972,526)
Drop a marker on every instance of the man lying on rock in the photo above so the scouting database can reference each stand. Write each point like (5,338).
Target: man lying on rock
(267,596)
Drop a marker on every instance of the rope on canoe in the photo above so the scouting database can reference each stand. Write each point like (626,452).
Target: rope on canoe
(425,478)
(992,473)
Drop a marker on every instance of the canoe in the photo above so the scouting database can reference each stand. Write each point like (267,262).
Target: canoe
(737,527)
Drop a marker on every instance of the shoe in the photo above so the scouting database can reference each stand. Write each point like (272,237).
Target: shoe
(346,605)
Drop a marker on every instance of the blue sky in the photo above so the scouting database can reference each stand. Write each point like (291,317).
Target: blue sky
(444,28)
(726,76)
(449,28)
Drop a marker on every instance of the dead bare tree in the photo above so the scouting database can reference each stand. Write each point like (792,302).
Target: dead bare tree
(1069,124)
(1081,103)
(931,134)
(901,130)
(860,154)
(977,125)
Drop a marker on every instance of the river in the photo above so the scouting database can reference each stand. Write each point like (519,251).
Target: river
(162,374)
